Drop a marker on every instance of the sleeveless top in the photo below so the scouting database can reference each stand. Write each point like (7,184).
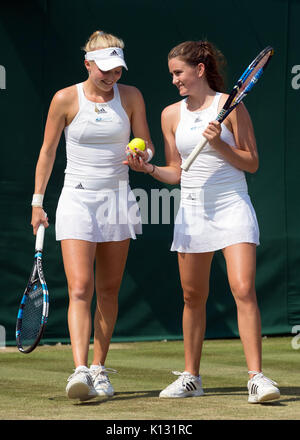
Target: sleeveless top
(210,168)
(96,139)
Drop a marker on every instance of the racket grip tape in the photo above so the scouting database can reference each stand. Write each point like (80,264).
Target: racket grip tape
(192,156)
(39,241)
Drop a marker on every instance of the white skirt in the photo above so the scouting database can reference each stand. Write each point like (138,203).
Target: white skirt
(212,219)
(85,212)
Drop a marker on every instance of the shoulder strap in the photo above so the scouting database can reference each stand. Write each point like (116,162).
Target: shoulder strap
(183,107)
(80,93)
(215,104)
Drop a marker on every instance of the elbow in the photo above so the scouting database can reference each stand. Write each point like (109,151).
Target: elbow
(253,167)
(174,180)
(178,177)
(48,152)
(252,170)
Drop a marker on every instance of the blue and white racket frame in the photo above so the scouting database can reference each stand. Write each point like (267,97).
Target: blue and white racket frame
(243,86)
(36,273)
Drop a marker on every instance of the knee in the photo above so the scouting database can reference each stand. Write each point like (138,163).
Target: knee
(244,292)
(108,292)
(195,297)
(80,291)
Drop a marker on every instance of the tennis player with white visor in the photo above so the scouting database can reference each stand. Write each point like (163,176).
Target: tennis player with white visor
(97,213)
(107,59)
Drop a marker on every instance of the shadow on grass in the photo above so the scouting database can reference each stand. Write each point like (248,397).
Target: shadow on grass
(294,392)
(284,391)
(126,395)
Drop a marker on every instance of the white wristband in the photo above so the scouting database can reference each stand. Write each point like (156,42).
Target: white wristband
(37,200)
(150,155)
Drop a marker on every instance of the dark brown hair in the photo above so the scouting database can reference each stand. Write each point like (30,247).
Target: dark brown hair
(195,52)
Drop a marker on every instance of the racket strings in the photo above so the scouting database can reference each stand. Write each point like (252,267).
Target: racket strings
(32,315)
(253,76)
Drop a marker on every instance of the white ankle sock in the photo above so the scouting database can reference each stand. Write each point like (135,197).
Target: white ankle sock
(81,367)
(95,367)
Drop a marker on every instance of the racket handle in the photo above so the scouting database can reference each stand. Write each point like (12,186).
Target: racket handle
(192,156)
(39,241)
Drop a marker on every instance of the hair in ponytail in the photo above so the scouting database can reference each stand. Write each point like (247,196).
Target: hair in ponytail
(195,52)
(102,40)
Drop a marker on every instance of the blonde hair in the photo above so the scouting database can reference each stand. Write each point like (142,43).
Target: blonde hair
(102,40)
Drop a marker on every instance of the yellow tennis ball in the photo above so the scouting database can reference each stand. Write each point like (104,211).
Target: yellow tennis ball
(137,143)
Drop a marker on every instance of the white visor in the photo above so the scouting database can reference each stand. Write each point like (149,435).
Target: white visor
(107,59)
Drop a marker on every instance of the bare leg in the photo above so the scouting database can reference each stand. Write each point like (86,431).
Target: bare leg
(241,269)
(110,264)
(194,275)
(78,257)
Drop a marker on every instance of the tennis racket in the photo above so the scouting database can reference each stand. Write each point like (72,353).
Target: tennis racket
(238,93)
(34,307)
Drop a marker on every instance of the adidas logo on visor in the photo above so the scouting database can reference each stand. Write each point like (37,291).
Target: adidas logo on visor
(114,53)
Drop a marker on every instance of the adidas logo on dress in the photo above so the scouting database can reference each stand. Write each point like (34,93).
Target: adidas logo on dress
(191,197)
(79,186)
(100,110)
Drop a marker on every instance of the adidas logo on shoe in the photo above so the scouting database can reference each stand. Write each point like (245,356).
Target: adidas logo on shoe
(186,385)
(81,385)
(262,389)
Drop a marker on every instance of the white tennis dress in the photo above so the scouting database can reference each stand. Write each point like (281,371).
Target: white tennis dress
(96,203)
(215,209)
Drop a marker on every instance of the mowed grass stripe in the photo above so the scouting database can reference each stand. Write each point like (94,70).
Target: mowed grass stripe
(33,386)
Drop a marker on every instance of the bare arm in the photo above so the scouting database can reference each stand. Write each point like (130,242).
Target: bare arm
(245,156)
(55,124)
(139,125)
(134,104)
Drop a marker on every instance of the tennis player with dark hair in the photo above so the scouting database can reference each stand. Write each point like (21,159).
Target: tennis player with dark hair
(97,213)
(215,212)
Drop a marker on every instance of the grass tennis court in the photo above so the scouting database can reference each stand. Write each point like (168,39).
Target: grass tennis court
(33,385)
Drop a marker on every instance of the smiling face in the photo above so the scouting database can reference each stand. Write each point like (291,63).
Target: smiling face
(185,76)
(101,79)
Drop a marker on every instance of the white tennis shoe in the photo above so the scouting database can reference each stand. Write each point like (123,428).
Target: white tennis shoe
(262,389)
(186,385)
(80,385)
(101,381)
